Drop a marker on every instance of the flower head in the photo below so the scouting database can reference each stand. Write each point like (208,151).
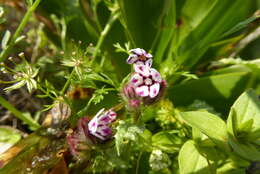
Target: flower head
(139,56)
(79,139)
(83,136)
(99,125)
(146,81)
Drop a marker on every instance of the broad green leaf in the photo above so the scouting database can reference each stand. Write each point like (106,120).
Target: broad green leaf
(209,124)
(216,90)
(167,141)
(243,126)
(191,161)
(245,110)
(244,149)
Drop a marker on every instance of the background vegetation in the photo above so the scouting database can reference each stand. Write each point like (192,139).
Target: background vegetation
(62,60)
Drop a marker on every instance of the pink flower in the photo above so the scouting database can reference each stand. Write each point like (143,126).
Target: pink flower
(146,81)
(99,125)
(139,56)
(79,140)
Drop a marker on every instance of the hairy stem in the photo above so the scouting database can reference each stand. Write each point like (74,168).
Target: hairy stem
(4,54)
(18,114)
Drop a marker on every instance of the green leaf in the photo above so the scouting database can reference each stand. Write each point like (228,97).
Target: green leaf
(35,153)
(245,150)
(141,20)
(243,126)
(8,137)
(246,111)
(6,39)
(19,39)
(167,141)
(167,22)
(203,24)
(216,90)
(209,124)
(241,25)
(191,161)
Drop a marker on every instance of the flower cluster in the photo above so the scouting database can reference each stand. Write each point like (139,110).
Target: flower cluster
(99,125)
(88,131)
(146,82)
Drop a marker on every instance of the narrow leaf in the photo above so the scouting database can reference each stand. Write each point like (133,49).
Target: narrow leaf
(6,39)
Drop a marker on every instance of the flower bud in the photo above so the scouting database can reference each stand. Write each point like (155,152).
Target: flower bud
(139,56)
(99,125)
(88,132)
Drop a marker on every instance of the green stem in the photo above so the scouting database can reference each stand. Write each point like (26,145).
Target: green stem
(138,162)
(45,92)
(18,114)
(67,82)
(112,19)
(18,31)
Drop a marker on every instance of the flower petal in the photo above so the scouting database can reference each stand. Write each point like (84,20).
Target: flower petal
(156,75)
(132,59)
(136,80)
(148,55)
(104,120)
(97,134)
(93,124)
(139,63)
(149,62)
(154,90)
(142,91)
(142,69)
(100,112)
(137,51)
(112,115)
(105,131)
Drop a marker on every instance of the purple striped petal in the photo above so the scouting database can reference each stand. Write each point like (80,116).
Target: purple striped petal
(93,124)
(106,131)
(112,115)
(149,62)
(154,90)
(136,79)
(156,75)
(138,51)
(142,91)
(148,55)
(142,69)
(97,134)
(132,59)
